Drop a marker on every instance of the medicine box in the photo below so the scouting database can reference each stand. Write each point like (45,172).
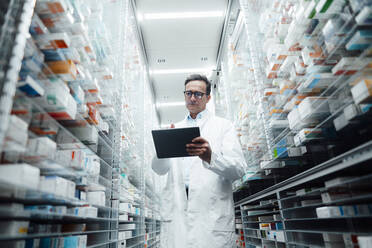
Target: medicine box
(340,122)
(20,174)
(329,197)
(14,227)
(123,217)
(87,211)
(16,134)
(313,107)
(362,91)
(43,124)
(308,134)
(319,80)
(365,241)
(53,40)
(31,86)
(329,212)
(126,207)
(365,16)
(127,226)
(361,40)
(97,198)
(58,186)
(88,134)
(71,158)
(77,92)
(75,241)
(92,163)
(65,69)
(41,147)
(339,181)
(58,102)
(350,65)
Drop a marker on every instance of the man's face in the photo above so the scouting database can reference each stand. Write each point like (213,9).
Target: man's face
(194,104)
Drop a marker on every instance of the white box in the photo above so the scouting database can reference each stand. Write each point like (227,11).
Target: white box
(41,147)
(362,91)
(87,134)
(351,112)
(329,197)
(365,242)
(339,181)
(329,212)
(14,227)
(89,212)
(127,226)
(313,107)
(280,236)
(340,122)
(123,217)
(20,174)
(319,80)
(15,139)
(58,186)
(71,158)
(97,198)
(93,165)
(127,207)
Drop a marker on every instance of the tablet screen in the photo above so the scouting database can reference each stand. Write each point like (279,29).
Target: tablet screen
(171,143)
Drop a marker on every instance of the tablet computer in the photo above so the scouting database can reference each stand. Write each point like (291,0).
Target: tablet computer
(171,143)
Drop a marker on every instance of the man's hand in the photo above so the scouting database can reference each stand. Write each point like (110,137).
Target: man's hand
(200,147)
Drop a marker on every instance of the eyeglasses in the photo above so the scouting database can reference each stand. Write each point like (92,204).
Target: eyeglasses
(197,94)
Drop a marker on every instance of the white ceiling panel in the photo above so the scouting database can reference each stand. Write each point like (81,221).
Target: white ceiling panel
(193,33)
(182,58)
(178,43)
(169,87)
(151,6)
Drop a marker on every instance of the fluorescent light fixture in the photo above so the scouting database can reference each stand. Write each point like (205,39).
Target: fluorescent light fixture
(185,70)
(170,104)
(182,15)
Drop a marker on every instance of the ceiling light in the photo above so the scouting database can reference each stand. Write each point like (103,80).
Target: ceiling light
(185,70)
(170,104)
(182,15)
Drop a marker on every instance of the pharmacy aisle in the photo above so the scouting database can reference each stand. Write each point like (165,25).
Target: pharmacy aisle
(74,154)
(296,80)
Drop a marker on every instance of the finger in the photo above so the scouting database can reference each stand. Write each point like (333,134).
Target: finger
(199,140)
(194,145)
(195,151)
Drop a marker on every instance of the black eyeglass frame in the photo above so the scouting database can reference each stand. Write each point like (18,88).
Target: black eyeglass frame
(194,93)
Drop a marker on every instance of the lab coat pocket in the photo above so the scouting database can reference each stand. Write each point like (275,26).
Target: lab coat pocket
(223,239)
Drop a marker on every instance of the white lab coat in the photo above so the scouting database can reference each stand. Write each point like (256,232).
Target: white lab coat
(206,219)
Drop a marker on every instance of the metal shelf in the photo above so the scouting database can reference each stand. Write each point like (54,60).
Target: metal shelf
(345,160)
(44,235)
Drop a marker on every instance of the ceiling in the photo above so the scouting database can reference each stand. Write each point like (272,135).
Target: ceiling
(180,37)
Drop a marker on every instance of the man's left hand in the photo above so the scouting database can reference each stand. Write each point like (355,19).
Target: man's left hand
(200,147)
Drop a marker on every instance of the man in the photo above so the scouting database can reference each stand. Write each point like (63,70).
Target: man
(197,201)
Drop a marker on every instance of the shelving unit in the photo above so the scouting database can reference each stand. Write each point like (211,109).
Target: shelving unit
(290,77)
(74,154)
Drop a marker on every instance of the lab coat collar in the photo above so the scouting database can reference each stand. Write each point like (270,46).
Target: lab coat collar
(202,115)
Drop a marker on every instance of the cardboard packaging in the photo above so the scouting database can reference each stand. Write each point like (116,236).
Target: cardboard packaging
(362,91)
(42,147)
(58,186)
(88,134)
(97,198)
(20,174)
